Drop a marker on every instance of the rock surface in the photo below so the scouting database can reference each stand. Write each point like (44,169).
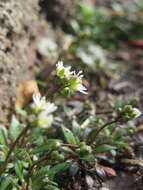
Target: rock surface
(18,21)
(21,26)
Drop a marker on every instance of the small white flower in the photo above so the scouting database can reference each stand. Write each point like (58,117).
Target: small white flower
(137,112)
(74,79)
(60,65)
(50,107)
(78,84)
(78,75)
(81,89)
(66,70)
(45,120)
(40,104)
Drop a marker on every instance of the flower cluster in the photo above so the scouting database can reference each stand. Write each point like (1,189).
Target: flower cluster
(128,112)
(44,110)
(72,81)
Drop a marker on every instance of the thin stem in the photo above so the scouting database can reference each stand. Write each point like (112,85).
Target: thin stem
(101,128)
(104,112)
(42,160)
(32,167)
(15,142)
(70,145)
(46,73)
(23,132)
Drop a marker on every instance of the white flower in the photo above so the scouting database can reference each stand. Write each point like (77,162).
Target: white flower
(50,107)
(81,89)
(65,71)
(40,104)
(74,79)
(78,83)
(136,112)
(78,75)
(45,120)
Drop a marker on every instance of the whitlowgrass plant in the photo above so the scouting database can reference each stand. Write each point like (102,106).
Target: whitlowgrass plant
(42,144)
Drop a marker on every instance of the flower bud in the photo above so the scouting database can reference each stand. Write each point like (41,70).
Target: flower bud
(128,113)
(55,155)
(84,150)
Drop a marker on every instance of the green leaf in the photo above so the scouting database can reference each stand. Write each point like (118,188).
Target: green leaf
(41,173)
(24,154)
(22,113)
(103,148)
(121,144)
(51,144)
(5,183)
(76,128)
(66,149)
(51,187)
(69,137)
(52,183)
(38,176)
(14,128)
(42,84)
(58,169)
(89,158)
(2,137)
(2,165)
(120,133)
(19,170)
(90,135)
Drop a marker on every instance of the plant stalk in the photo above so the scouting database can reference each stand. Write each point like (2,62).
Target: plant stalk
(101,128)
(23,132)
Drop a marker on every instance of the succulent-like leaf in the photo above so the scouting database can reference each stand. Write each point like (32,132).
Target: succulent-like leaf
(69,137)
(104,148)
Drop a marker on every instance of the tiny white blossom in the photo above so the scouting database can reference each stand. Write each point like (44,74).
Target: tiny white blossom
(45,120)
(137,112)
(78,85)
(40,104)
(50,107)
(81,89)
(66,70)
(79,75)
(74,79)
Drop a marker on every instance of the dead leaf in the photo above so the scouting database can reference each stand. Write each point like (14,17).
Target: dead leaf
(109,171)
(140,128)
(137,43)
(89,181)
(24,93)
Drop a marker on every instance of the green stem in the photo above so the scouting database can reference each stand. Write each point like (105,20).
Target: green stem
(101,128)
(23,132)
(42,160)
(70,145)
(32,167)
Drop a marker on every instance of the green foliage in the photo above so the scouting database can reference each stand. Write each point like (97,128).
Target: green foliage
(72,136)
(69,137)
(2,137)
(14,128)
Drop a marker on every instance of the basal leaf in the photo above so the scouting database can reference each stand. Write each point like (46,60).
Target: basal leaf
(103,148)
(5,183)
(14,128)
(69,137)
(58,169)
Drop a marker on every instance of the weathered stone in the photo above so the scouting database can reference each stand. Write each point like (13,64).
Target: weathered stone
(18,21)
